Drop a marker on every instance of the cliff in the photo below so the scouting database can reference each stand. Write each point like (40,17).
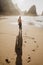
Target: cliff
(8,8)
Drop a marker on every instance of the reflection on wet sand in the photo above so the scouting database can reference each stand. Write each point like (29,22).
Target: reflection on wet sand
(18,48)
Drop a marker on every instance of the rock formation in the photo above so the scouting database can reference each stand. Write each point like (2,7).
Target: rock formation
(8,8)
(31,11)
(42,14)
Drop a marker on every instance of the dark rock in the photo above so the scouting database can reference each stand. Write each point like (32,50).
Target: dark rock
(31,11)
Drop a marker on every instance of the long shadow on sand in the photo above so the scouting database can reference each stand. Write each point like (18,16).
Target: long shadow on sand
(18,48)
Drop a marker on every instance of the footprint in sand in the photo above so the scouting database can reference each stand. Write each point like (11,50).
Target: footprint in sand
(25,41)
(33,50)
(34,41)
(7,60)
(37,46)
(29,59)
(33,38)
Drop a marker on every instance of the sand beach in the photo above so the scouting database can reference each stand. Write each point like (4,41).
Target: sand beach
(31,50)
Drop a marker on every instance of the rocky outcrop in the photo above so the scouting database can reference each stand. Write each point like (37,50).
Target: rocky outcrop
(31,11)
(8,8)
(42,14)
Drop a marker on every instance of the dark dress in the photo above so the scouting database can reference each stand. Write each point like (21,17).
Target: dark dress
(20,25)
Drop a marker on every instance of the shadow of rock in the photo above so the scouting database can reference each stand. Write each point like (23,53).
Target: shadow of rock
(18,48)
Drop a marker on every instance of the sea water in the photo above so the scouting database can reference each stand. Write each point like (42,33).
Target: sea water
(32,20)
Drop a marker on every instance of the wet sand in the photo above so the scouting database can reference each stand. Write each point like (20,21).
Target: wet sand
(31,50)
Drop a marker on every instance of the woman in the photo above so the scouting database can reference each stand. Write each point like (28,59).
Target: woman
(20,22)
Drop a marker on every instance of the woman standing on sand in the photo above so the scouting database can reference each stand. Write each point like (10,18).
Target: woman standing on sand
(20,22)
